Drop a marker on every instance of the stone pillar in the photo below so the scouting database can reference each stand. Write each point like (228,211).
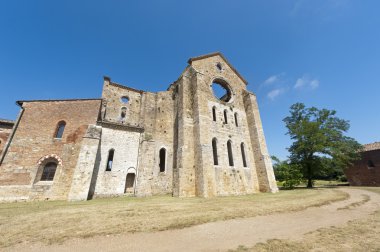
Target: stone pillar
(263,163)
(84,170)
(184,174)
(206,182)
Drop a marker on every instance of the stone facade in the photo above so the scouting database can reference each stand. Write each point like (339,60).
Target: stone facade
(186,141)
(366,171)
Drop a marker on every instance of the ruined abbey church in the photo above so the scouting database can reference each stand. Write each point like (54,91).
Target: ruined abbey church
(186,141)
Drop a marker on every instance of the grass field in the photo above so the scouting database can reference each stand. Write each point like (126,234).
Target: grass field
(357,235)
(319,183)
(56,221)
(324,183)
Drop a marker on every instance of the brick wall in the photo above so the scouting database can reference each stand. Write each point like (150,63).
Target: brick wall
(363,174)
(35,139)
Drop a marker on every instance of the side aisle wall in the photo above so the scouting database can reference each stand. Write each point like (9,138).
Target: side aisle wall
(153,114)
(34,144)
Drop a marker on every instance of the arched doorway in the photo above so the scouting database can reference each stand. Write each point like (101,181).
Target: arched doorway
(130,183)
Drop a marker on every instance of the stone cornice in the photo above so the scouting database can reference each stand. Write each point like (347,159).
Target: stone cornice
(121,126)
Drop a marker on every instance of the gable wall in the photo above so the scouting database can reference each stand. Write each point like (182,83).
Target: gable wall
(222,179)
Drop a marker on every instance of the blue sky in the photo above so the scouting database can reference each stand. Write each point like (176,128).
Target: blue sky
(323,53)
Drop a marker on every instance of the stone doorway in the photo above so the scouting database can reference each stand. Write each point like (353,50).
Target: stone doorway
(130,183)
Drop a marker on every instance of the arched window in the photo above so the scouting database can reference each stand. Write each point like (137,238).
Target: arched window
(225,116)
(60,129)
(123,113)
(230,157)
(370,164)
(49,171)
(214,114)
(243,154)
(215,151)
(111,153)
(162,159)
(236,120)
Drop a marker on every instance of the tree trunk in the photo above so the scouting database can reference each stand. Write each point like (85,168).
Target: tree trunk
(309,183)
(309,176)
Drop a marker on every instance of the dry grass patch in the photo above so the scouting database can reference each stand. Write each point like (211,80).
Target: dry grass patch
(365,199)
(357,235)
(56,221)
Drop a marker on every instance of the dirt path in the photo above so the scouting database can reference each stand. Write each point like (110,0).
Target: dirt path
(224,235)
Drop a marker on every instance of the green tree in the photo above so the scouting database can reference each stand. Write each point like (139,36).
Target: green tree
(287,173)
(319,141)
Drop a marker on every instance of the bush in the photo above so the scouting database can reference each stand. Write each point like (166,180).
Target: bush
(289,174)
(342,178)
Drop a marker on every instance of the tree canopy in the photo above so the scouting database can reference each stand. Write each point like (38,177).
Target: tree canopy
(319,141)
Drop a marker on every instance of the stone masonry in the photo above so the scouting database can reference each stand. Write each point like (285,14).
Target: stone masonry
(186,141)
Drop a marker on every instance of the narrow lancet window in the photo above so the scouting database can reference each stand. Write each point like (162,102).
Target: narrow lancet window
(243,154)
(230,157)
(162,159)
(225,116)
(214,114)
(236,120)
(215,151)
(60,129)
(111,153)
(123,113)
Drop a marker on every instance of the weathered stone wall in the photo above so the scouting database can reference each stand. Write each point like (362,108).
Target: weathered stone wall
(125,144)
(158,122)
(180,120)
(263,162)
(237,179)
(361,174)
(153,113)
(185,173)
(87,168)
(112,98)
(34,144)
(222,179)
